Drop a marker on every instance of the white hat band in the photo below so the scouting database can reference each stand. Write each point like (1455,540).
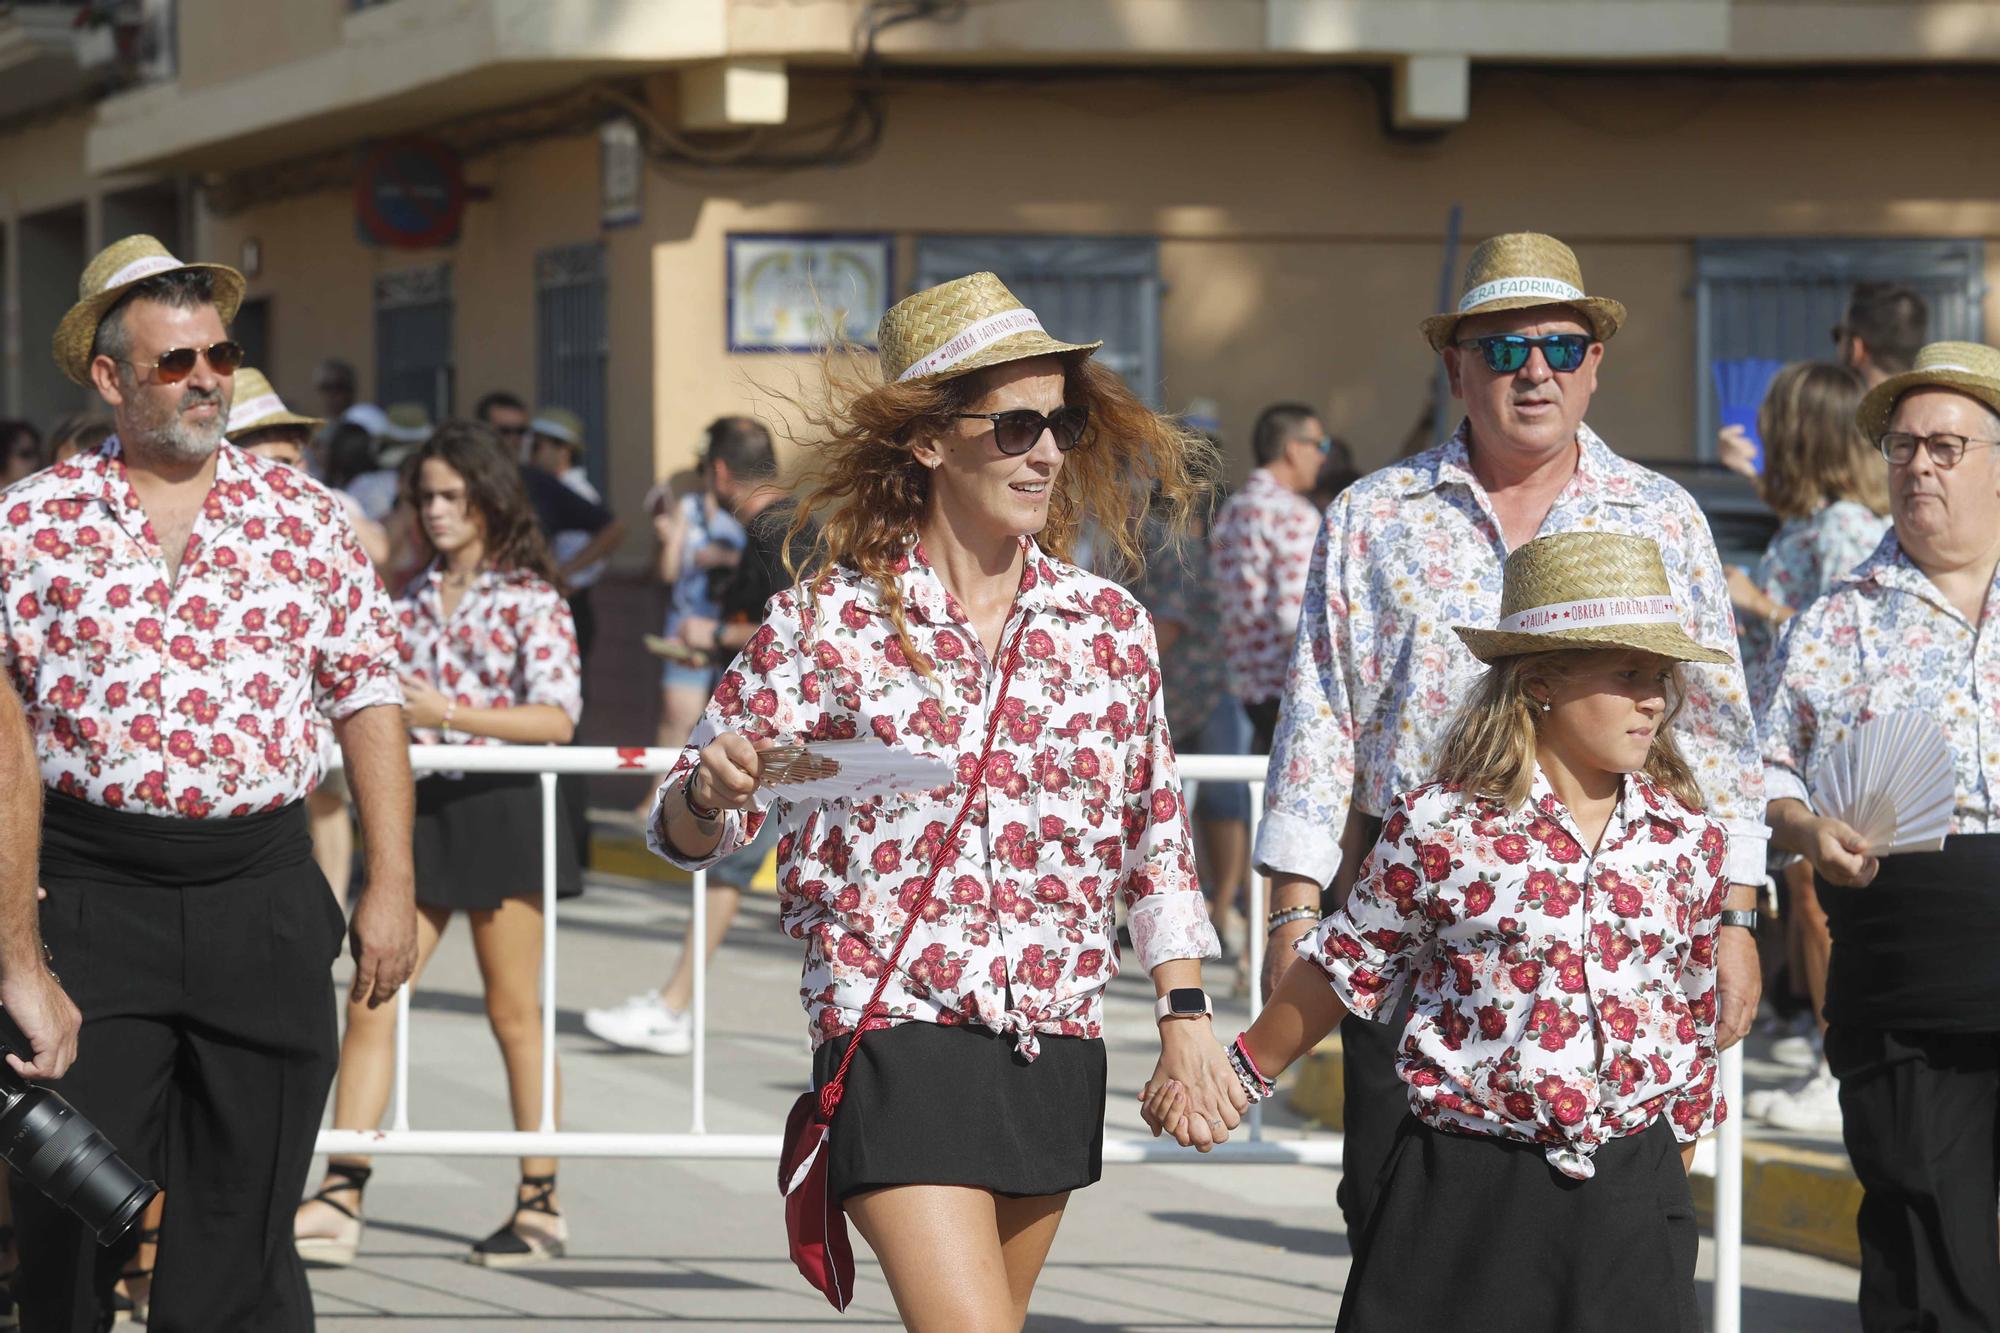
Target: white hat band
(1500,288)
(555,430)
(255,409)
(1593,613)
(142,268)
(1947,365)
(974,338)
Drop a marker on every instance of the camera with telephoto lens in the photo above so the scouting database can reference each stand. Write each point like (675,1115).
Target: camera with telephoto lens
(61,1154)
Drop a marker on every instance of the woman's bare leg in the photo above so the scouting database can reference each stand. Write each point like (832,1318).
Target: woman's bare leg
(332,840)
(996,1246)
(508,944)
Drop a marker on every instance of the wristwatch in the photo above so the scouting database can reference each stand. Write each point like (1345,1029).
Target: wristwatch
(1182,1002)
(1740,916)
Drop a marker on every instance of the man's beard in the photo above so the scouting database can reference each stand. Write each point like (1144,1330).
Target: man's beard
(164,430)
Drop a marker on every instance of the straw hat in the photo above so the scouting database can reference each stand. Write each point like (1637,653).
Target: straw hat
(560,424)
(1971,368)
(1516,271)
(1587,590)
(108,277)
(258,407)
(961,326)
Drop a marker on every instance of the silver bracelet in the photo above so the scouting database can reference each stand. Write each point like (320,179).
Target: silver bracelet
(1284,916)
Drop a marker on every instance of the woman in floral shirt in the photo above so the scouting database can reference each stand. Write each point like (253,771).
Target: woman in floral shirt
(489,657)
(949,493)
(1554,898)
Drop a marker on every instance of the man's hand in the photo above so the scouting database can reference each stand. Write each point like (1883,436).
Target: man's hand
(383,938)
(34,999)
(1739,985)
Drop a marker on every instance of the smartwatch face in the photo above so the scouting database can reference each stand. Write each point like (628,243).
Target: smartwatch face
(1186,1000)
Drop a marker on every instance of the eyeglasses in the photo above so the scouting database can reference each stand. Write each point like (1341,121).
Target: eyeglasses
(1946,451)
(177,363)
(1018,431)
(511,432)
(1506,353)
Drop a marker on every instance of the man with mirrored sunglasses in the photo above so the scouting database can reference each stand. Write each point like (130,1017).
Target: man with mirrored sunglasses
(1373,682)
(178,617)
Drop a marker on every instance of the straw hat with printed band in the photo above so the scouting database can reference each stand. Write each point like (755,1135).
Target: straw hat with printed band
(1587,590)
(961,326)
(1516,271)
(258,407)
(1971,368)
(559,424)
(115,270)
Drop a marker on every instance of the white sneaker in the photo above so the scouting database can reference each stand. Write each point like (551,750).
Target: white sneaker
(1811,1108)
(643,1023)
(1800,1050)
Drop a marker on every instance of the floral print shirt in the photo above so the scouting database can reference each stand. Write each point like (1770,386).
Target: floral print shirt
(1563,998)
(194,697)
(1178,589)
(1415,548)
(510,641)
(1800,564)
(1261,548)
(1081,808)
(1885,640)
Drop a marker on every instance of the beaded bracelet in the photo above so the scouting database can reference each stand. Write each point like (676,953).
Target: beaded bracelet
(1255,1086)
(1284,916)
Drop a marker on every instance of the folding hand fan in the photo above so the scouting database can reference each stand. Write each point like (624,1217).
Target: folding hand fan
(849,770)
(1739,392)
(1891,780)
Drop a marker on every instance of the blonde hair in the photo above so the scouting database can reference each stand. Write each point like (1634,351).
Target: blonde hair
(1814,451)
(864,491)
(1489,748)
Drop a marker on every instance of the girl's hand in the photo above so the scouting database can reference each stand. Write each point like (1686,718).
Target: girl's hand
(423,706)
(1165,1110)
(727,778)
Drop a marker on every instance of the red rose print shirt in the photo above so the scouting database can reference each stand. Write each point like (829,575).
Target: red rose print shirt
(1261,551)
(195,698)
(1082,806)
(1562,999)
(510,641)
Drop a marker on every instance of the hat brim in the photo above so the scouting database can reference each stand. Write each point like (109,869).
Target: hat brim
(1669,641)
(1606,316)
(1879,403)
(274,419)
(1023,346)
(78,329)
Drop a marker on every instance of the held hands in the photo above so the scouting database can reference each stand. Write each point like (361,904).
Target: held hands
(1193,1095)
(1839,853)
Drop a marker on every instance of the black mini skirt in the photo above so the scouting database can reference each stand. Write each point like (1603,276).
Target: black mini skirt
(478,842)
(932,1105)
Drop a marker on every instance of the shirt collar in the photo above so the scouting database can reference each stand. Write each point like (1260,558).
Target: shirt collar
(1601,475)
(1047,584)
(1639,798)
(1890,567)
(100,473)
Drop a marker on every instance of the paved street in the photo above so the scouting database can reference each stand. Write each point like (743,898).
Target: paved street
(696,1244)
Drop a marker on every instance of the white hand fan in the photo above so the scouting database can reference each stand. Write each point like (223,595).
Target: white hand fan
(850,770)
(1891,780)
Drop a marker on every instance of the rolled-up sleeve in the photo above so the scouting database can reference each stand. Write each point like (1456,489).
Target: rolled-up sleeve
(1310,781)
(1367,945)
(1716,725)
(1789,726)
(550,665)
(1164,906)
(761,697)
(355,664)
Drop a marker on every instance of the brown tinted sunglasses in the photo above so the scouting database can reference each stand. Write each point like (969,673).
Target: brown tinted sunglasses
(177,363)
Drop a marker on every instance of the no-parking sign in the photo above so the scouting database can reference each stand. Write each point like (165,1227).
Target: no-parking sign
(410,195)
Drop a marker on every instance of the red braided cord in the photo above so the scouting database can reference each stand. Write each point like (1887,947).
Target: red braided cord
(871,1017)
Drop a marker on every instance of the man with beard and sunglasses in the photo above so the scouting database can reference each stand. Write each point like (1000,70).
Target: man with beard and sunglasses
(1374,680)
(176,616)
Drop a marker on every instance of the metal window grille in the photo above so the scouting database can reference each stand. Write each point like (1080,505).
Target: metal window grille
(571,345)
(413,319)
(1780,300)
(1084,288)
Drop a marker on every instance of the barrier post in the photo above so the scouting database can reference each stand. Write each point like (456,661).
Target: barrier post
(400,1120)
(1729,1199)
(1253,897)
(698,942)
(548,1121)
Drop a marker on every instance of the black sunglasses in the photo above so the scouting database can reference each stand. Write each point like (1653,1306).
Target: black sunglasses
(177,363)
(1017,431)
(1506,353)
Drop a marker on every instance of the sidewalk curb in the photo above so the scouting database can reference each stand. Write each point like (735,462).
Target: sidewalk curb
(1796,1199)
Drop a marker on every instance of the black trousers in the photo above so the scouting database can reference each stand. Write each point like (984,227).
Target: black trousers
(199,952)
(1482,1233)
(1920,1113)
(1263,715)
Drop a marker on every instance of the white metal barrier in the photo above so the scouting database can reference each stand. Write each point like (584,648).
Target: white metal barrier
(1725,1161)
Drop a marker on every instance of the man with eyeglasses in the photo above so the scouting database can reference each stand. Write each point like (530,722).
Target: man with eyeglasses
(1913,989)
(1420,545)
(508,416)
(176,615)
(1260,548)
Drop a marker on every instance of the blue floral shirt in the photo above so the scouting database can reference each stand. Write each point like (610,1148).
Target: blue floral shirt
(1798,567)
(1376,674)
(1883,640)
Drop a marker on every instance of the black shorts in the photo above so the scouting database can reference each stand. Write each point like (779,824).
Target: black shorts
(933,1105)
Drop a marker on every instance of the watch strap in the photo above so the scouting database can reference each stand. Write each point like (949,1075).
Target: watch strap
(1740,916)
